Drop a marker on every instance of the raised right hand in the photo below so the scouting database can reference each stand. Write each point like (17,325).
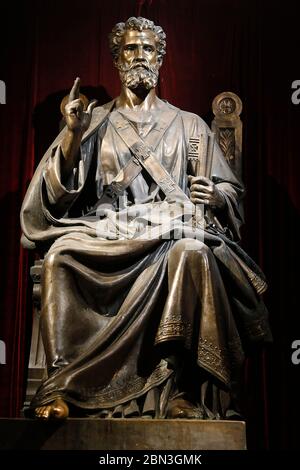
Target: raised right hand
(77,119)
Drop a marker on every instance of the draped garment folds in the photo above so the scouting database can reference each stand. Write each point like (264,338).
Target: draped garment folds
(125,291)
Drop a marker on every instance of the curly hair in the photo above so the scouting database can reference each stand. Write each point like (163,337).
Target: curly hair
(137,24)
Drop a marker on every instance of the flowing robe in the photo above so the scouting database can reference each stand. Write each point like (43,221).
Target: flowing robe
(120,300)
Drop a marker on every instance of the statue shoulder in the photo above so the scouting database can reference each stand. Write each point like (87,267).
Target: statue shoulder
(100,113)
(102,110)
(103,107)
(193,120)
(193,123)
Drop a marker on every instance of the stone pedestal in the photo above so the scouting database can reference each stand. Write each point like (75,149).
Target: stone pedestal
(122,434)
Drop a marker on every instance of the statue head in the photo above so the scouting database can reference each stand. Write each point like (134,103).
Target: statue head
(138,47)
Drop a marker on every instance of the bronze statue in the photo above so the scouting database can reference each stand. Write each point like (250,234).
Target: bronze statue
(148,301)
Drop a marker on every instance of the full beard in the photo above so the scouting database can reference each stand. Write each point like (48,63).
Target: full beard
(135,76)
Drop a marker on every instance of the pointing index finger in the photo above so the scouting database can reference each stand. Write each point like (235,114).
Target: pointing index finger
(74,93)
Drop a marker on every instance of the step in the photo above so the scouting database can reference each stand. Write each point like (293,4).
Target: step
(122,434)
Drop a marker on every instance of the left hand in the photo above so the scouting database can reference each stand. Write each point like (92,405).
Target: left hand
(204,191)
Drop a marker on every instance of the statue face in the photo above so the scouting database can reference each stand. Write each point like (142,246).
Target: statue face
(138,63)
(138,46)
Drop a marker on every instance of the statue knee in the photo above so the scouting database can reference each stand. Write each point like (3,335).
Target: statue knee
(190,244)
(52,261)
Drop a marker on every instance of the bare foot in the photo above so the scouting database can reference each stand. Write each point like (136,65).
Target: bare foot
(58,409)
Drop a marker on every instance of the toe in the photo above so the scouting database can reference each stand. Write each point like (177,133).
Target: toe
(46,412)
(39,411)
(59,410)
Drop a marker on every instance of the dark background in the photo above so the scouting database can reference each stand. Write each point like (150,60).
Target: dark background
(248,47)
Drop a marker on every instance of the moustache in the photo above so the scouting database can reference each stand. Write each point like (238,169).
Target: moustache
(137,65)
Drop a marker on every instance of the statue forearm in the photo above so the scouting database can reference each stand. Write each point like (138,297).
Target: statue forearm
(77,121)
(70,147)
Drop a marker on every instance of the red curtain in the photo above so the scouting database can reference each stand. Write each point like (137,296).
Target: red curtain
(248,47)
